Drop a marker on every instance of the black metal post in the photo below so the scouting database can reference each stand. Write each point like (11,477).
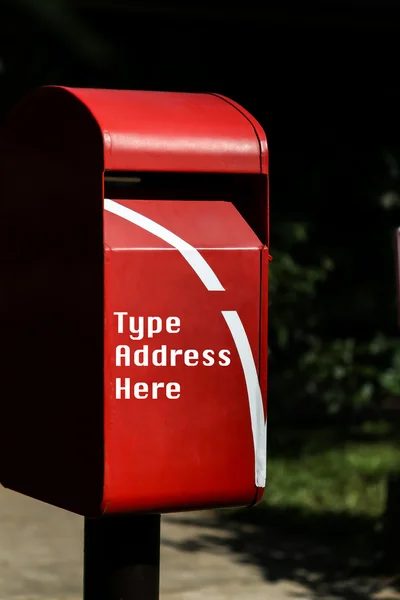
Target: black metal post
(122,558)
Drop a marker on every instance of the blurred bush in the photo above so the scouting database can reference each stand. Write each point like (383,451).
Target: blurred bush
(334,344)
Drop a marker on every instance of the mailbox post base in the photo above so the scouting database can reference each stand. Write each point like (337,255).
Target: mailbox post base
(122,558)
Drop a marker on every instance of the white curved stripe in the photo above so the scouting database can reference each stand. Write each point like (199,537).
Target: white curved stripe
(190,254)
(258,422)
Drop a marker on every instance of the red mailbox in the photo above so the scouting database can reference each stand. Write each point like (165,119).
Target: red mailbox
(133,301)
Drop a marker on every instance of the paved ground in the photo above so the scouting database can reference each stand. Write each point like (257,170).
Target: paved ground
(41,558)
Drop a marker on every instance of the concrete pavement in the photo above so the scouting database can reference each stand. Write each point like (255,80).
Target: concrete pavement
(41,558)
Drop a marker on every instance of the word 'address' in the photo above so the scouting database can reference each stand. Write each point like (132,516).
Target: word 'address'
(142,329)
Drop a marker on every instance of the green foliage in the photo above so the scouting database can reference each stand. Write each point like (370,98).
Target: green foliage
(313,366)
(332,471)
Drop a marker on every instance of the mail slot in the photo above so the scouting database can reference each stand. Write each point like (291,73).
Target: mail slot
(133,301)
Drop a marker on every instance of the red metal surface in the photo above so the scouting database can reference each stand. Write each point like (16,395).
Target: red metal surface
(195,450)
(165,131)
(263,336)
(76,264)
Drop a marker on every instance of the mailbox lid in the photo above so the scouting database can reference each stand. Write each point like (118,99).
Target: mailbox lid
(197,448)
(170,131)
(208,225)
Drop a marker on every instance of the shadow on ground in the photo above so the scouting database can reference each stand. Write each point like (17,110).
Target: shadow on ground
(331,556)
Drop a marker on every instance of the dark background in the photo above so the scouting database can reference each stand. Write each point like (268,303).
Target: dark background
(323,83)
(323,80)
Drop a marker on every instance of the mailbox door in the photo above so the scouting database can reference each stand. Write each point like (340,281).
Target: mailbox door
(184,418)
